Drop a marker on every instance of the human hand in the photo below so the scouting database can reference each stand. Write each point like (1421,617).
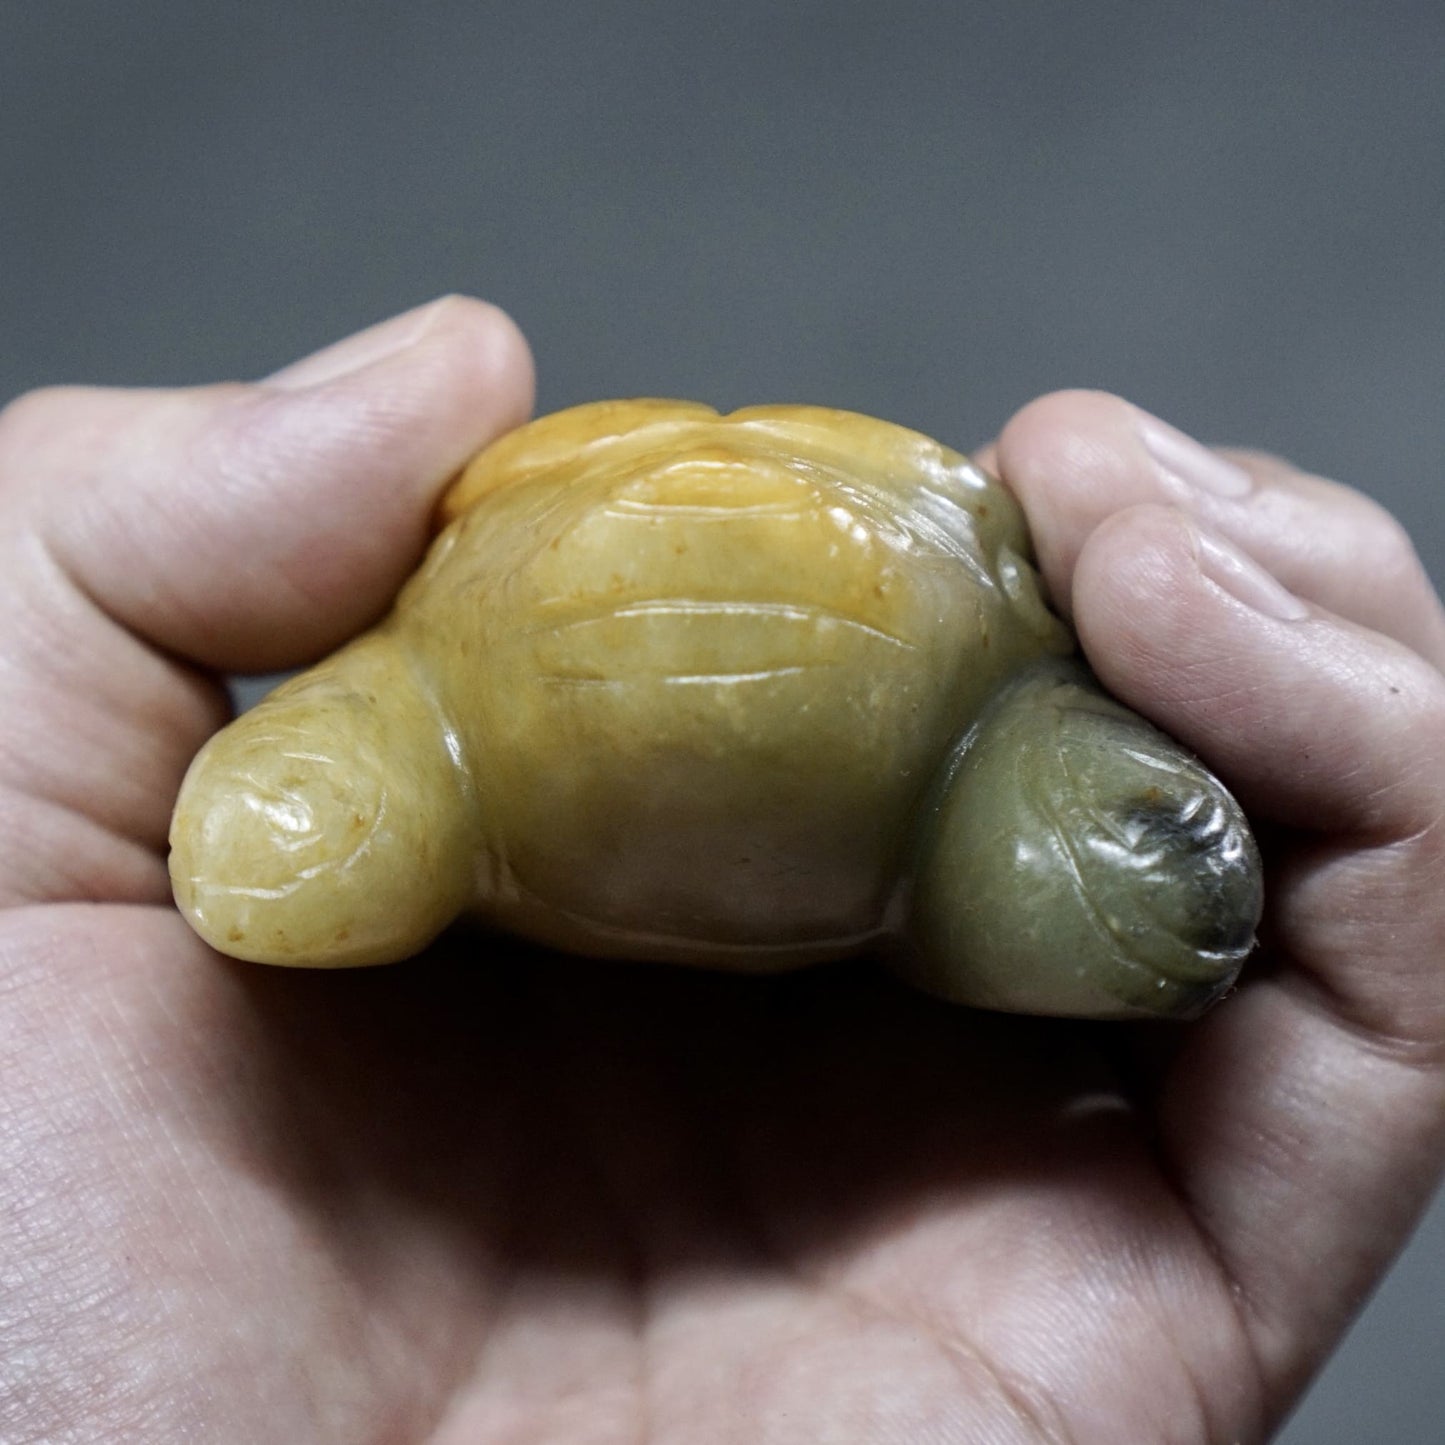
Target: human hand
(532,1198)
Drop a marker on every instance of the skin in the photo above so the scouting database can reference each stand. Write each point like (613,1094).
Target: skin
(552,1202)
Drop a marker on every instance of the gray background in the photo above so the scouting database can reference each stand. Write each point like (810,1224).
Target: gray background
(1233,213)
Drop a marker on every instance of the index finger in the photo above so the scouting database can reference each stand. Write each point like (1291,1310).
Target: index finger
(1075,458)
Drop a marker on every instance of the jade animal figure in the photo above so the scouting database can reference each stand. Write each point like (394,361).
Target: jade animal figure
(748,691)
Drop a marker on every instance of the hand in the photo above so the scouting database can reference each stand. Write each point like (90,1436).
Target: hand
(529,1198)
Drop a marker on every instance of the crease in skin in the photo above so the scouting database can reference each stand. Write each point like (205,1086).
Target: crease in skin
(670,685)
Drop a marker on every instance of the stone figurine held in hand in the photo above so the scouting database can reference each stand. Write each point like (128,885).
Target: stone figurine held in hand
(747,691)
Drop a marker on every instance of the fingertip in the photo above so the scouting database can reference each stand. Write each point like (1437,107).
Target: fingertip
(278,518)
(505,371)
(1130,562)
(470,331)
(1151,568)
(1317,723)
(1069,408)
(1065,432)
(456,374)
(1072,458)
(348,467)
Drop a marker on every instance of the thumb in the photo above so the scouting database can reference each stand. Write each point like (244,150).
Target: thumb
(250,527)
(238,527)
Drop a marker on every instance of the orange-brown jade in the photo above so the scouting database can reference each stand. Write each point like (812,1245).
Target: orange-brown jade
(746,691)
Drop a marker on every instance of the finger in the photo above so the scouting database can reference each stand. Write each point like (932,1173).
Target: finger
(1304,1119)
(242,527)
(1316,722)
(986,457)
(252,527)
(1074,458)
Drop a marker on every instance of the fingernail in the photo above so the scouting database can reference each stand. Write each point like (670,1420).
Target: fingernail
(1184,465)
(353,353)
(1245,580)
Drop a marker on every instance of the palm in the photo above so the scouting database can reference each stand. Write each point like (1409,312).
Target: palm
(546,1199)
